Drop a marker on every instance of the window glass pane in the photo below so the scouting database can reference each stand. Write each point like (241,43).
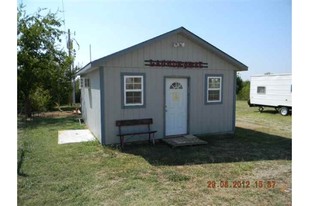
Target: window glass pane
(129,86)
(176,85)
(129,80)
(130,97)
(129,100)
(87,82)
(214,82)
(261,90)
(134,83)
(133,97)
(130,94)
(137,96)
(137,86)
(137,80)
(129,83)
(213,95)
(137,100)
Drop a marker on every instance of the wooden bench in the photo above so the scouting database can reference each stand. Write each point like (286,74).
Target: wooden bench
(135,122)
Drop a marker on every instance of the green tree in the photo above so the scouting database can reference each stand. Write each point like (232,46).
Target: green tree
(244,93)
(239,83)
(41,62)
(40,99)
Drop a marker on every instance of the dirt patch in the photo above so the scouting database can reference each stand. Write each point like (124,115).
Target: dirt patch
(277,171)
(52,114)
(248,125)
(56,114)
(272,171)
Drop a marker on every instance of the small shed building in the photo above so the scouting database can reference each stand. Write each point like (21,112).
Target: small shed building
(185,84)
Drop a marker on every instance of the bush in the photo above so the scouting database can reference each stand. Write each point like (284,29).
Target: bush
(40,99)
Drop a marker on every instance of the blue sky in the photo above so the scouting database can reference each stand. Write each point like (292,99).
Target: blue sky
(256,32)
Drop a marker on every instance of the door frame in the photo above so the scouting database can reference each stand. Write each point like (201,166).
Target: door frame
(188,102)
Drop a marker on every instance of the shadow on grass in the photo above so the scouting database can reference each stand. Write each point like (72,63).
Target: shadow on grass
(21,158)
(246,145)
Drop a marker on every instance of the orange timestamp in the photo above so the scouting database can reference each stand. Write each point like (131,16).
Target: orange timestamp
(268,184)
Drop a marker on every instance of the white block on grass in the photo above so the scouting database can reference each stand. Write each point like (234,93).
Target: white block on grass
(74,136)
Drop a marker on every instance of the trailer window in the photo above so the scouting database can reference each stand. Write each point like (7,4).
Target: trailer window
(261,90)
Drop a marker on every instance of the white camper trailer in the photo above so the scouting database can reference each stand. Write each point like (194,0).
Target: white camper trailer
(271,90)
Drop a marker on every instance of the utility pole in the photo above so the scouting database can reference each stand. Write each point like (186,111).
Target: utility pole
(70,47)
(90,51)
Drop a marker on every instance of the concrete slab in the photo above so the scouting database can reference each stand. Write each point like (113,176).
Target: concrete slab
(74,136)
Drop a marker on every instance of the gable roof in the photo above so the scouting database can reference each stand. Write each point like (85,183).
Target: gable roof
(94,64)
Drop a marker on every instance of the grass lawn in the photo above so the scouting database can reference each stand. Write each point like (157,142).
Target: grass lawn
(251,168)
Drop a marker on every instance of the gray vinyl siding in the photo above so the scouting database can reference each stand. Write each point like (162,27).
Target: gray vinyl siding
(163,50)
(102,96)
(212,118)
(203,118)
(91,108)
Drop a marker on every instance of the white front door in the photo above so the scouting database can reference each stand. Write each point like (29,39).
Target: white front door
(176,102)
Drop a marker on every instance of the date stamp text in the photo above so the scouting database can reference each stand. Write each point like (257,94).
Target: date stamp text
(267,184)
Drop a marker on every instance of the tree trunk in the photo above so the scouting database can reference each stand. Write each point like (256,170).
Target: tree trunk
(28,111)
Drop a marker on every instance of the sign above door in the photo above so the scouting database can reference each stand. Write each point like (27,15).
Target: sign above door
(177,64)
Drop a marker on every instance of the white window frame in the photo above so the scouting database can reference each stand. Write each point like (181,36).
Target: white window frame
(125,90)
(214,89)
(87,83)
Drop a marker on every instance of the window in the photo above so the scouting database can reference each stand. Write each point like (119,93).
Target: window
(261,90)
(214,87)
(176,85)
(133,90)
(81,83)
(87,82)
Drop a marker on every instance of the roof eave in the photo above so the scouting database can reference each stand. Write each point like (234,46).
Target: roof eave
(85,69)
